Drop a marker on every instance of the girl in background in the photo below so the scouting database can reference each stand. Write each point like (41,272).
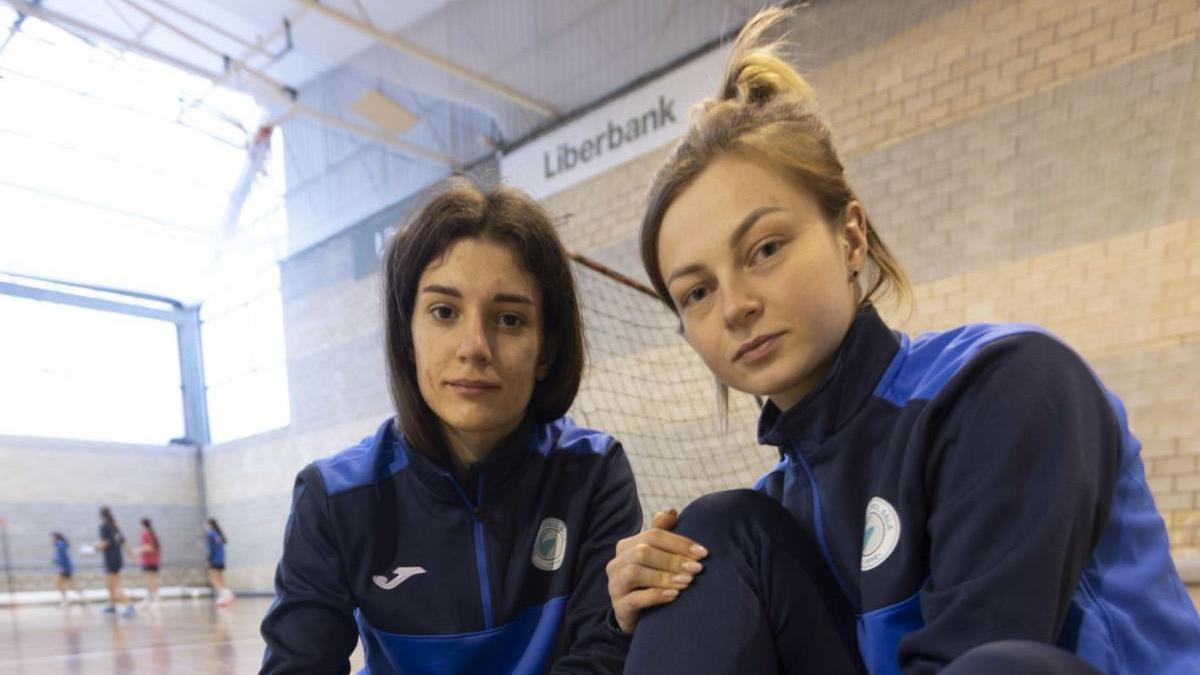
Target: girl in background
(111,543)
(216,562)
(66,568)
(150,552)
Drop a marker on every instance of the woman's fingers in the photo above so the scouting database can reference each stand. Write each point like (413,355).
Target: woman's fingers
(645,555)
(629,578)
(663,540)
(664,520)
(651,568)
(626,609)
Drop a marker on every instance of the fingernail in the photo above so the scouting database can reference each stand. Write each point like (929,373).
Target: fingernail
(698,551)
(692,566)
(682,578)
(671,592)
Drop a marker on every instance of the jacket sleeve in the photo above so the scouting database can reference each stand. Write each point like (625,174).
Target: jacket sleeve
(310,626)
(594,645)
(1020,477)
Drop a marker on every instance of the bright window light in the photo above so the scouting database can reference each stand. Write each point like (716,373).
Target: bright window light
(245,369)
(119,171)
(71,372)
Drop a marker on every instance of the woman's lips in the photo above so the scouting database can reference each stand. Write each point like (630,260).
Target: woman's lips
(756,348)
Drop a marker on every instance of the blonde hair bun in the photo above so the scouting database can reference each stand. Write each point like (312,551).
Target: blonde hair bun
(756,72)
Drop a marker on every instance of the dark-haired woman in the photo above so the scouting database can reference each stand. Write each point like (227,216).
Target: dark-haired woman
(151,558)
(214,539)
(112,543)
(470,533)
(66,568)
(967,501)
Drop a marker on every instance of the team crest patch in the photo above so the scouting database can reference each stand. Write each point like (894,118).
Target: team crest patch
(550,545)
(880,534)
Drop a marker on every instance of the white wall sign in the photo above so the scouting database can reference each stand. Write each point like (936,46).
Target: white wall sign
(646,118)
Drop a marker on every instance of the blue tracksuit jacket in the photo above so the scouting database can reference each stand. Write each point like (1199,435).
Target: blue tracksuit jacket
(216,547)
(980,484)
(62,558)
(502,572)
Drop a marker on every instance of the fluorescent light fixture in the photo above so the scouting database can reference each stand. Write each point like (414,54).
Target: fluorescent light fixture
(384,112)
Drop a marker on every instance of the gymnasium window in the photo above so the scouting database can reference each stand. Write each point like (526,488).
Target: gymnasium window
(71,372)
(241,332)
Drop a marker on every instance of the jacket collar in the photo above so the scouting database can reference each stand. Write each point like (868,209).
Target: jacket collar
(501,464)
(862,358)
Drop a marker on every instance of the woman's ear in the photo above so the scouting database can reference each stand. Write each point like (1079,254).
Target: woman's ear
(854,237)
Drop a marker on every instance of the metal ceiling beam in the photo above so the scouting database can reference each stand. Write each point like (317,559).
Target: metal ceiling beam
(73,25)
(102,304)
(414,50)
(277,90)
(285,26)
(255,48)
(286,95)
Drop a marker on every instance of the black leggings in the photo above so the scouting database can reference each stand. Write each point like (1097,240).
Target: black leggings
(768,603)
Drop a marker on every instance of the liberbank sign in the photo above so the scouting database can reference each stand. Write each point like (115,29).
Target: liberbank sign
(649,117)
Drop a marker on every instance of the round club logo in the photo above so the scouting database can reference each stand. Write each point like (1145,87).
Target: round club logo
(880,534)
(550,545)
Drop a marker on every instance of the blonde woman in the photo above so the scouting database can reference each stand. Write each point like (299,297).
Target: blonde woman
(970,500)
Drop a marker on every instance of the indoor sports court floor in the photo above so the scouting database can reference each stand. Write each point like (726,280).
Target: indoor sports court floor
(182,636)
(189,637)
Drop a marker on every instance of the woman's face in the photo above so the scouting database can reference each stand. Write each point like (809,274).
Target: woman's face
(477,334)
(760,279)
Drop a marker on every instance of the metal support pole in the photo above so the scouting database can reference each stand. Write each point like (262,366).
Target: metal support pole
(191,377)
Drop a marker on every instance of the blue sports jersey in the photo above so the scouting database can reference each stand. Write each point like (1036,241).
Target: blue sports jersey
(499,572)
(216,547)
(62,557)
(975,485)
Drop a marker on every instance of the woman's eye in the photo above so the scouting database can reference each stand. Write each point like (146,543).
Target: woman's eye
(695,295)
(511,320)
(765,251)
(442,312)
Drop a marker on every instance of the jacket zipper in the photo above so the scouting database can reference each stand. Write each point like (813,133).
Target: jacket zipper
(819,525)
(485,588)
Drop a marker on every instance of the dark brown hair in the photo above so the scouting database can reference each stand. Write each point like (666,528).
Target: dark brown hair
(153,536)
(107,516)
(459,210)
(212,522)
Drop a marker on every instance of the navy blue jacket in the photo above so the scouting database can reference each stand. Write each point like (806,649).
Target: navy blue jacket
(980,484)
(115,540)
(502,572)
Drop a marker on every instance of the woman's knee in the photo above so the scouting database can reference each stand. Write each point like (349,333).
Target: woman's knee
(1019,656)
(721,513)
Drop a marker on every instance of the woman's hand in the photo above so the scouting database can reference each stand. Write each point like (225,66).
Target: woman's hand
(650,568)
